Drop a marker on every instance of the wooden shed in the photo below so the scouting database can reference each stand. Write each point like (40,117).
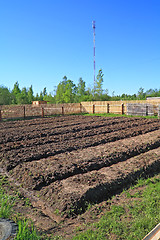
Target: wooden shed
(37,103)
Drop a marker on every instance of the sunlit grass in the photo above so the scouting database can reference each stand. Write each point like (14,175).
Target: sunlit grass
(129,221)
(117,115)
(26,231)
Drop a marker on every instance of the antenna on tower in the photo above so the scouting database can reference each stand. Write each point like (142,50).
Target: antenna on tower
(94,47)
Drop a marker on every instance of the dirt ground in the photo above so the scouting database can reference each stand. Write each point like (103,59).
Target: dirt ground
(64,164)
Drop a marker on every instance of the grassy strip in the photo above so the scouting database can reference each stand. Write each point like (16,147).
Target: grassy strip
(6,201)
(26,230)
(133,219)
(130,219)
(117,115)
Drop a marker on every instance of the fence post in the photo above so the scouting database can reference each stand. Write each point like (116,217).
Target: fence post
(62,110)
(146,110)
(122,110)
(93,109)
(107,107)
(0,116)
(42,112)
(80,107)
(24,110)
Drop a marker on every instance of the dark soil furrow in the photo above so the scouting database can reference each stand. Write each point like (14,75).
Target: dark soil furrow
(14,157)
(69,162)
(62,121)
(52,169)
(70,135)
(44,125)
(72,195)
(41,121)
(38,133)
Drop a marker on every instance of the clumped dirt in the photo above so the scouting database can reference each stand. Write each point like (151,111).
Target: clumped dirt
(62,164)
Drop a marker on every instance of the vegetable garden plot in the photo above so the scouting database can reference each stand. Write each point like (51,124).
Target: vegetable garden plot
(69,161)
(30,148)
(79,161)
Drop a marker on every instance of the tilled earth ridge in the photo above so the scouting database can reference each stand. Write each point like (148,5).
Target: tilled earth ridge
(52,123)
(67,162)
(53,136)
(36,149)
(20,132)
(37,174)
(30,128)
(71,195)
(58,121)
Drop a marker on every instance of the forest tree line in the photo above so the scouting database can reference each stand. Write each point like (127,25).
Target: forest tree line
(68,92)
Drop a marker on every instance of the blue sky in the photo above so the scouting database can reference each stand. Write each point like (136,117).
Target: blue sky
(41,41)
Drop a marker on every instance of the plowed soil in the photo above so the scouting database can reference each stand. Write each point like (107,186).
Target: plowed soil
(62,164)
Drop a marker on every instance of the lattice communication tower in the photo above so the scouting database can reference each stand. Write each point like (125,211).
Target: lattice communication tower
(94,50)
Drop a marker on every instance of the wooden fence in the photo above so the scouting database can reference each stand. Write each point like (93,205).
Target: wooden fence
(121,107)
(142,109)
(25,111)
(103,108)
(118,107)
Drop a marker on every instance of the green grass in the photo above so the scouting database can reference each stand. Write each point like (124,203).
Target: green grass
(129,221)
(6,201)
(132,219)
(117,115)
(26,230)
(6,204)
